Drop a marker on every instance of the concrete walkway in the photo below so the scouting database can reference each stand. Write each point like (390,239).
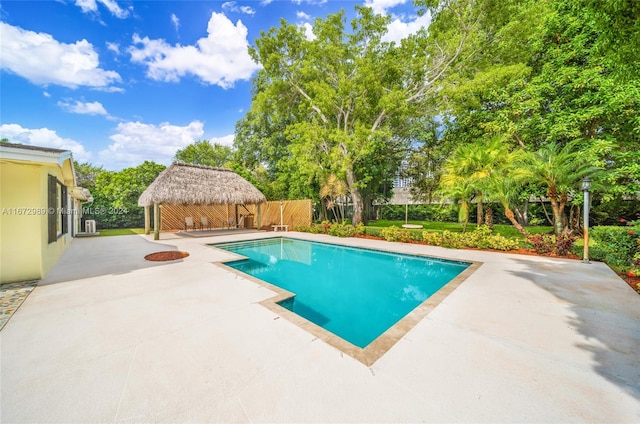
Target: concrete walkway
(110,337)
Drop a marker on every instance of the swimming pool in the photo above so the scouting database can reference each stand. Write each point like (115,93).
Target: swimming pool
(356,294)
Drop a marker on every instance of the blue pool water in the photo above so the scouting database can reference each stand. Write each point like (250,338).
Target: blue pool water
(354,293)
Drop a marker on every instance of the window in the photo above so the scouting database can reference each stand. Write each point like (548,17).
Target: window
(57,208)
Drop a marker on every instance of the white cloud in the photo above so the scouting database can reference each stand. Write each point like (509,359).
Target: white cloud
(381,6)
(114,47)
(265,2)
(84,108)
(397,29)
(135,142)
(221,58)
(312,2)
(43,137)
(226,140)
(91,6)
(303,16)
(231,6)
(247,10)
(175,21)
(308,31)
(46,94)
(87,6)
(41,59)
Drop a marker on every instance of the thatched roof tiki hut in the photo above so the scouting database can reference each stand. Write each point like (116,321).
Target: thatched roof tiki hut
(189,184)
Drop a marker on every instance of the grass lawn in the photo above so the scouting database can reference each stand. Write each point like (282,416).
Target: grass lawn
(120,232)
(505,230)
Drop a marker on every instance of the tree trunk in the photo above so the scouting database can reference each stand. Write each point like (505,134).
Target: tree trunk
(558,217)
(479,208)
(523,215)
(574,219)
(356,197)
(557,207)
(358,206)
(488,217)
(322,213)
(511,217)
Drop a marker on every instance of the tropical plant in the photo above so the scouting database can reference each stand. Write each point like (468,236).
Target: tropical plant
(333,189)
(471,170)
(560,169)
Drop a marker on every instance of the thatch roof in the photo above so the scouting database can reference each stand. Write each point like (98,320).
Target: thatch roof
(189,184)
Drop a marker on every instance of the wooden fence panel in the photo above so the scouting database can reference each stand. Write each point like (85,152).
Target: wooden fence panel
(294,212)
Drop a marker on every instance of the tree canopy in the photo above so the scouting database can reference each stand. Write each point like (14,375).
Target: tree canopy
(495,102)
(341,100)
(204,153)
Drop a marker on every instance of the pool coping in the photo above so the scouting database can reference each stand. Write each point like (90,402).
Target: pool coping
(383,343)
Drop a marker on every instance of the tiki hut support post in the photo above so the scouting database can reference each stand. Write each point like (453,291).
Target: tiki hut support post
(237,221)
(147,221)
(156,221)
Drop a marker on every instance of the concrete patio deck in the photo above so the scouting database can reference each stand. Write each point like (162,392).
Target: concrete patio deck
(110,337)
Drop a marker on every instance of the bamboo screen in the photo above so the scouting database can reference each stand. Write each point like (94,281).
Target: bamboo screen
(294,213)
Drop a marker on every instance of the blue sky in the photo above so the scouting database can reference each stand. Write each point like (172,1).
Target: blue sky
(120,82)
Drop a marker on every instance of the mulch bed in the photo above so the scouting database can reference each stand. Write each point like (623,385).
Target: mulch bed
(169,255)
(634,282)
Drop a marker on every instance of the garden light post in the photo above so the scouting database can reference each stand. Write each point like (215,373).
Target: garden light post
(586,185)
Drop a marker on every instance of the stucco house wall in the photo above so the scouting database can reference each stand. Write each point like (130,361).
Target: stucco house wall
(27,251)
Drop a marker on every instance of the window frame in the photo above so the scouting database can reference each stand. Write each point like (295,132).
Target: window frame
(57,203)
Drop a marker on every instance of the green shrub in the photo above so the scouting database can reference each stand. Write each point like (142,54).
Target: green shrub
(482,238)
(595,252)
(617,244)
(434,239)
(373,231)
(635,267)
(415,235)
(333,229)
(394,233)
(344,230)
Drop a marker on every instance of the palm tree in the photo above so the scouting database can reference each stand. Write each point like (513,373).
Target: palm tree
(333,188)
(467,172)
(560,169)
(506,184)
(458,189)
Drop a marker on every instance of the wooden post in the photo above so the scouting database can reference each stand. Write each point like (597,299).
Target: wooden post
(281,222)
(406,213)
(236,210)
(147,220)
(156,221)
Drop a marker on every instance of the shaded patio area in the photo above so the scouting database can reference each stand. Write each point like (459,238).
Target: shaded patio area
(109,337)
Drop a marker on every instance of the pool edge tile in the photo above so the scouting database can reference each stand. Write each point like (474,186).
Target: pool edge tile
(383,343)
